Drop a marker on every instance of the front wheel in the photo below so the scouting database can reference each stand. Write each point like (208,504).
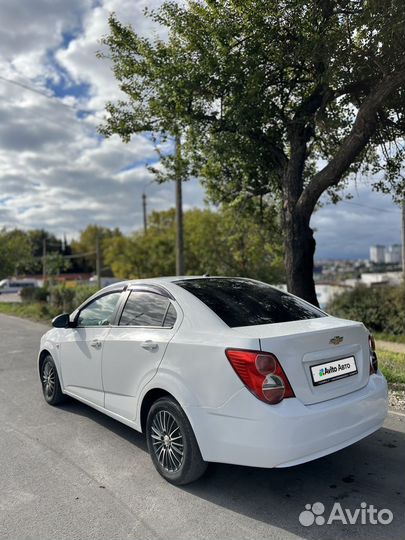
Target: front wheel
(172,443)
(50,382)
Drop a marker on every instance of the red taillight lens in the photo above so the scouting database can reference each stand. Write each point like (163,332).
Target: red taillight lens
(261,373)
(373,355)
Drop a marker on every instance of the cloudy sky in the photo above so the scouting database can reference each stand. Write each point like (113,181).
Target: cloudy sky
(57,173)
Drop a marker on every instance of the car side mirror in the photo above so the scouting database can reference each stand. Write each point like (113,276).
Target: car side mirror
(62,321)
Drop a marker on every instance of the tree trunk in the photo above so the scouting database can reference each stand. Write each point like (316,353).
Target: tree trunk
(299,249)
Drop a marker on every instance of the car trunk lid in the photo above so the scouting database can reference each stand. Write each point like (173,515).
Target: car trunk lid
(319,344)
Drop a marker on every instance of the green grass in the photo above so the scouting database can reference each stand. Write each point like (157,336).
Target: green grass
(41,312)
(381,336)
(392,364)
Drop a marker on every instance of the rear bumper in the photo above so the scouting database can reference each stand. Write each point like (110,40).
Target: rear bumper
(246,431)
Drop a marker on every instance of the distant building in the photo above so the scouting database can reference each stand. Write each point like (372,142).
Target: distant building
(393,254)
(386,254)
(381,278)
(377,254)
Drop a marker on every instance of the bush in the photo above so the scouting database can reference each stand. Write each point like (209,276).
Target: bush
(82,292)
(27,294)
(60,297)
(380,308)
(68,299)
(34,294)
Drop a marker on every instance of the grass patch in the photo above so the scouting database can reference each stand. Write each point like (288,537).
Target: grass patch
(40,311)
(392,364)
(381,336)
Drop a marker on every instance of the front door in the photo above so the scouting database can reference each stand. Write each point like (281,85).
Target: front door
(82,349)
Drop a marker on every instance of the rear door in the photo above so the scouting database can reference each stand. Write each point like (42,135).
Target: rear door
(135,347)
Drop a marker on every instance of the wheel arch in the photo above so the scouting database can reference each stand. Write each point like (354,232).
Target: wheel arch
(148,400)
(42,355)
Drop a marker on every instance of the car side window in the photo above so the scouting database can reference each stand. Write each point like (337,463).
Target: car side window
(170,317)
(146,309)
(100,311)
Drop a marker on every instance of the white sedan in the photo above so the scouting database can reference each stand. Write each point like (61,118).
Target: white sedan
(217,369)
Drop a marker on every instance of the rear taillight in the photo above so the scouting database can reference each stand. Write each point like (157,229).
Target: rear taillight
(261,373)
(373,355)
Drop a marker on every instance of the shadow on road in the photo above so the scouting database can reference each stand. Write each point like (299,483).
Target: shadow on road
(370,471)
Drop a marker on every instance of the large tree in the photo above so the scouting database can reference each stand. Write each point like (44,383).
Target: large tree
(274,98)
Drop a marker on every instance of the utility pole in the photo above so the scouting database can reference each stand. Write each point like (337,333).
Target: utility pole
(179,212)
(403,250)
(98,259)
(403,238)
(43,261)
(145,219)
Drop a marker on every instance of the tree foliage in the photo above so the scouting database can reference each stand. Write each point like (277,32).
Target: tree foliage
(218,243)
(86,244)
(15,252)
(279,99)
(381,308)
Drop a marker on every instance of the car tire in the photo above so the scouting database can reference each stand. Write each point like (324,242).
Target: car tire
(172,444)
(51,389)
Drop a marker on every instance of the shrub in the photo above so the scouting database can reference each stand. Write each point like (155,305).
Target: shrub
(380,308)
(60,297)
(27,294)
(34,294)
(82,292)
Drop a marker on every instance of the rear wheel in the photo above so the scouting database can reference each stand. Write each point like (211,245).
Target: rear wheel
(172,443)
(50,382)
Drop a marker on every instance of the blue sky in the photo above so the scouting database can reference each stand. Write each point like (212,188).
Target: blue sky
(57,173)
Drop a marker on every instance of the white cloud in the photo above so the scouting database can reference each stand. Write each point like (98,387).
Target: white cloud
(56,172)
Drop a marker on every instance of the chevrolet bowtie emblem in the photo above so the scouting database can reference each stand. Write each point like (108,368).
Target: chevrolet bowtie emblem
(336,340)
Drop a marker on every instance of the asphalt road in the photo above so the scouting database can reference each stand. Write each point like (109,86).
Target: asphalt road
(71,472)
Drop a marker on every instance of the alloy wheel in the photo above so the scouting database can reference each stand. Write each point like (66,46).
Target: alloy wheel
(48,379)
(167,441)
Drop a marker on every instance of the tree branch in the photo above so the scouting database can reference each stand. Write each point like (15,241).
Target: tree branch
(363,129)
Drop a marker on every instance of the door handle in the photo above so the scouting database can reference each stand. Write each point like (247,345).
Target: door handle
(96,344)
(149,345)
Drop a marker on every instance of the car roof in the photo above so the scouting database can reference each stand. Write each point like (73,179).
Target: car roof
(166,280)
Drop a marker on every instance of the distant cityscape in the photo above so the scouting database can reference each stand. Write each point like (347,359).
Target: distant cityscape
(334,276)
(386,254)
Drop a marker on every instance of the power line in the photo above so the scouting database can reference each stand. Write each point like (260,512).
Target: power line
(372,207)
(52,98)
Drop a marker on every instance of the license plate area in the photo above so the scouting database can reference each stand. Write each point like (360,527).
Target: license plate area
(335,370)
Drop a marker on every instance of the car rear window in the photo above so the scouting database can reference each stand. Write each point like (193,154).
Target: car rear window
(243,302)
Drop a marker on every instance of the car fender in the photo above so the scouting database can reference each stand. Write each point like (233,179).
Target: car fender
(170,383)
(52,348)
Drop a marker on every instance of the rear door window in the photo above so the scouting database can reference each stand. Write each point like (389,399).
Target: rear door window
(244,302)
(146,309)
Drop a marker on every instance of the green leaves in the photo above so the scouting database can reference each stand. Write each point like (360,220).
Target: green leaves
(234,77)
(15,253)
(222,242)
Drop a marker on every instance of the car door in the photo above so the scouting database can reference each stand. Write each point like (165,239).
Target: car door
(82,348)
(135,347)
